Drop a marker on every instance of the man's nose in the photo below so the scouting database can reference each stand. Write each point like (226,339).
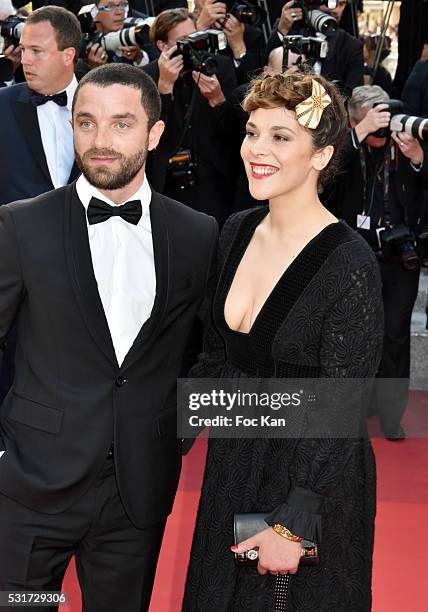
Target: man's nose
(102,138)
(25,57)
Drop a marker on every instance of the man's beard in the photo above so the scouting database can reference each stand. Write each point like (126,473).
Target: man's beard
(102,177)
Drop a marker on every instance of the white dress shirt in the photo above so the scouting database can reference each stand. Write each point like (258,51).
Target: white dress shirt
(123,261)
(57,136)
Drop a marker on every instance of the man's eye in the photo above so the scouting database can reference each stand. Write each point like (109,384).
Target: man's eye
(122,126)
(85,124)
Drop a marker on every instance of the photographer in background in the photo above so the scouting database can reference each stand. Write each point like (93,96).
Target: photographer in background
(112,16)
(380,76)
(344,62)
(192,162)
(382,185)
(246,45)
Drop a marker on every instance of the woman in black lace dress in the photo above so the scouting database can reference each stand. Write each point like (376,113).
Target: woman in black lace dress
(297,294)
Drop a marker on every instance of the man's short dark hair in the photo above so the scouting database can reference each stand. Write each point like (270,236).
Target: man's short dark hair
(66,25)
(124,74)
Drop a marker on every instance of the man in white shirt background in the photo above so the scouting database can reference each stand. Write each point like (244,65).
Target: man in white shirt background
(36,147)
(36,143)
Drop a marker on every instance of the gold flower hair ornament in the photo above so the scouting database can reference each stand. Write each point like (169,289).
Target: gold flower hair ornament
(309,112)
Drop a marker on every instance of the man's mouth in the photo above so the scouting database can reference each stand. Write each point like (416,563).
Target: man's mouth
(103,160)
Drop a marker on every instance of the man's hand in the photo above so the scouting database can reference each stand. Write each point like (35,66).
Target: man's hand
(410,147)
(234,31)
(169,70)
(377,117)
(211,12)
(134,54)
(97,56)
(288,16)
(14,55)
(209,87)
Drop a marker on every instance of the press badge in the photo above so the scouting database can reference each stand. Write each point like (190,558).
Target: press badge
(363,222)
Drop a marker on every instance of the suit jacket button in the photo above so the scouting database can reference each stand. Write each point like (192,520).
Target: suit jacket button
(120,381)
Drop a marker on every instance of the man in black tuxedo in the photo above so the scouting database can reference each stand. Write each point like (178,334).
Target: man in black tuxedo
(105,278)
(36,147)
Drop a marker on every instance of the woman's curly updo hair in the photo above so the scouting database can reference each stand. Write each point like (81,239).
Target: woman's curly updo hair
(288,89)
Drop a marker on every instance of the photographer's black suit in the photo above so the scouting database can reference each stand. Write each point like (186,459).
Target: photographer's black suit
(254,59)
(70,398)
(207,137)
(400,286)
(344,62)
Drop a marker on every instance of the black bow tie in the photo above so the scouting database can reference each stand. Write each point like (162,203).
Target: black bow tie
(99,211)
(38,99)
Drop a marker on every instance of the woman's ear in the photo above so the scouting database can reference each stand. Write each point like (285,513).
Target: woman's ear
(321,158)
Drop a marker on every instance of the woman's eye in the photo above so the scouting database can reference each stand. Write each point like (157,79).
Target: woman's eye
(249,134)
(279,138)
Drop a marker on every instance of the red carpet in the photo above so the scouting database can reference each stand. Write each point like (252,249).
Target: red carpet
(399,577)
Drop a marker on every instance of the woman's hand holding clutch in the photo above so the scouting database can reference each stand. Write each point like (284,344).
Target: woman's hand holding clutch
(276,554)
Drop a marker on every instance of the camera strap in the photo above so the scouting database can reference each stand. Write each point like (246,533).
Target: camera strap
(187,118)
(391,160)
(386,173)
(367,206)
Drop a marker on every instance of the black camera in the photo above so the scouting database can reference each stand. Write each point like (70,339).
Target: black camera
(398,243)
(198,48)
(248,13)
(311,47)
(182,169)
(422,245)
(316,19)
(10,31)
(393,107)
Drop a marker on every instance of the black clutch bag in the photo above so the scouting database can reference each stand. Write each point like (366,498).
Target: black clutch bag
(248,524)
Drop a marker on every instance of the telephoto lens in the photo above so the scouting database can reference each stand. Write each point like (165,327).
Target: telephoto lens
(322,22)
(414,126)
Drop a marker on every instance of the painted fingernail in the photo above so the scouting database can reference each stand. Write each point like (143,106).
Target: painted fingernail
(233,548)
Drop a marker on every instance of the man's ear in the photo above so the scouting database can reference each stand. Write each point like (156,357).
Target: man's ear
(321,158)
(155,134)
(69,55)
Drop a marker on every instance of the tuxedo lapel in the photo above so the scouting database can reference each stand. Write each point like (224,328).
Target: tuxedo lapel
(74,174)
(27,121)
(81,271)
(162,255)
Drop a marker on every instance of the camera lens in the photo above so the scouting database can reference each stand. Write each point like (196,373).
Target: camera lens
(321,22)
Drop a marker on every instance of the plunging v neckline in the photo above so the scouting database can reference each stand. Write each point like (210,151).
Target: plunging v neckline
(240,245)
